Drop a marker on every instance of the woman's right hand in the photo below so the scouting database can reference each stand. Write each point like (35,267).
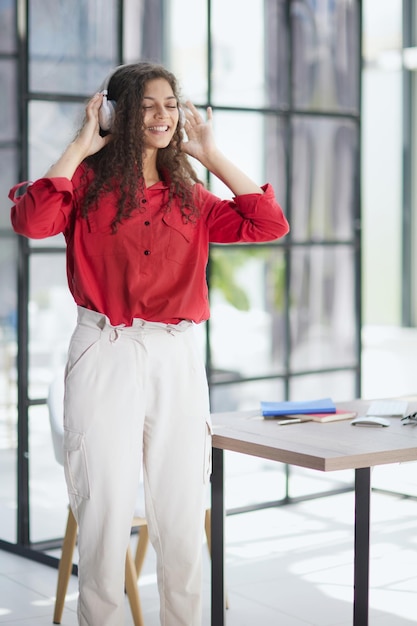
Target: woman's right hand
(88,142)
(89,139)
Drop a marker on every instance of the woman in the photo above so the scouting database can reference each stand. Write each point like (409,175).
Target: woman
(137,224)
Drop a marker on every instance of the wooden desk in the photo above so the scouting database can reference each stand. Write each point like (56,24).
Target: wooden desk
(326,447)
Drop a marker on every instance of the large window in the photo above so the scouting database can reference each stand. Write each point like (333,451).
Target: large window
(284,85)
(285,93)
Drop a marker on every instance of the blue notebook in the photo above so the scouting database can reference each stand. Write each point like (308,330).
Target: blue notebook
(323,405)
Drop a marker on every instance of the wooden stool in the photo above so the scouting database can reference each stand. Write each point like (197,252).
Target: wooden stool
(133,566)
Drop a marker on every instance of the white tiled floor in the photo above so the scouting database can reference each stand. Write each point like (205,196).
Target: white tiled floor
(289,566)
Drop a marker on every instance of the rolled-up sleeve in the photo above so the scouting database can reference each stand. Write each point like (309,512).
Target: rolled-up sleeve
(44,207)
(249,218)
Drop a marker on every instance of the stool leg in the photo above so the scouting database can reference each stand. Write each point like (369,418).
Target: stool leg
(65,566)
(131,582)
(207,526)
(141,548)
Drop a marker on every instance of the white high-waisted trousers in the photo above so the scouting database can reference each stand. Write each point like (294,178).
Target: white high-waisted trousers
(134,394)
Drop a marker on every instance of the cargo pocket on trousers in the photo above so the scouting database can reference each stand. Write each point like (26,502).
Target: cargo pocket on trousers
(207,454)
(75,465)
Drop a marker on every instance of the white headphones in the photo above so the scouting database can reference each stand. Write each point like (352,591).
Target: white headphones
(106,112)
(181,117)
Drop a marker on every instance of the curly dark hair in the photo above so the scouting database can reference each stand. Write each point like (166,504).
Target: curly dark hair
(119,163)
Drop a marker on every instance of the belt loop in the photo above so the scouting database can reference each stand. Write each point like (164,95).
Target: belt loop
(115,333)
(102,322)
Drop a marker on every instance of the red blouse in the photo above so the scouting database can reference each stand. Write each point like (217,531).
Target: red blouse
(154,267)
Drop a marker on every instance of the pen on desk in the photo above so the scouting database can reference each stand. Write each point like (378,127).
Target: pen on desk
(293,420)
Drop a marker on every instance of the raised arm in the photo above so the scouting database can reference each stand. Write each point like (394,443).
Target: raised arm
(201,146)
(43,209)
(87,142)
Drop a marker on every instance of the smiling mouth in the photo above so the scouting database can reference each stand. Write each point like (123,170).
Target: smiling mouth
(159,129)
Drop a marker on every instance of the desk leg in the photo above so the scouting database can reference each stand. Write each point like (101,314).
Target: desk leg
(217,541)
(361,567)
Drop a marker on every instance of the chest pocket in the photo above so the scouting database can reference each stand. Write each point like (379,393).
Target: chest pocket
(99,236)
(182,239)
(99,222)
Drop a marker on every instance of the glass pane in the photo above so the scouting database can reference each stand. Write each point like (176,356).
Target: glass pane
(382,170)
(251,480)
(382,33)
(276,54)
(8,288)
(144,30)
(245,395)
(8,388)
(275,150)
(238,68)
(186,49)
(7,26)
(340,386)
(72,45)
(52,125)
(8,104)
(247,300)
(46,146)
(259,151)
(8,493)
(306,482)
(398,477)
(325,158)
(250,67)
(49,242)
(52,318)
(323,319)
(325,54)
(48,492)
(8,178)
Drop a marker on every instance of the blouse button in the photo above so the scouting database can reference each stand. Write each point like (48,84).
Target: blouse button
(143,201)
(147,252)
(147,223)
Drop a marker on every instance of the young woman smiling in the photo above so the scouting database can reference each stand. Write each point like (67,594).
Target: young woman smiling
(138,223)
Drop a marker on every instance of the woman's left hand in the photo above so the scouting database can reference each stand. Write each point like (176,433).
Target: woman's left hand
(200,144)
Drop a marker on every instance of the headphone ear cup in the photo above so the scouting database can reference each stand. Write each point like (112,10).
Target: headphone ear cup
(106,112)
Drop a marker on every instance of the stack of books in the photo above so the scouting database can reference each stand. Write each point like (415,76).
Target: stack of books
(321,410)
